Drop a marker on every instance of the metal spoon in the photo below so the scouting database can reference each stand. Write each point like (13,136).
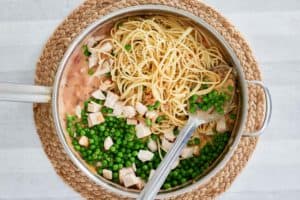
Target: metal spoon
(154,184)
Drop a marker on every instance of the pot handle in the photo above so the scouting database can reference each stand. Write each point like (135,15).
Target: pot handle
(268,111)
(25,93)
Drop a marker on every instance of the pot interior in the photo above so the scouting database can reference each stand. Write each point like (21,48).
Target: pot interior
(64,102)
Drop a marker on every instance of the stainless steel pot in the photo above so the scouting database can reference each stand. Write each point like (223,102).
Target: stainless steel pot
(42,94)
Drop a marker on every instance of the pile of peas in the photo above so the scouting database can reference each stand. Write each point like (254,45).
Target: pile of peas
(193,167)
(126,146)
(212,99)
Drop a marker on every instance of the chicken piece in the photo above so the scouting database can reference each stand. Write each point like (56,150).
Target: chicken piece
(151,115)
(98,164)
(107,174)
(140,183)
(145,155)
(106,47)
(95,118)
(93,107)
(111,99)
(169,135)
(221,125)
(196,151)
(105,85)
(93,59)
(108,142)
(98,94)
(152,145)
(142,130)
(134,167)
(132,121)
(123,172)
(78,111)
(129,111)
(92,41)
(166,145)
(187,152)
(130,180)
(84,141)
(118,108)
(141,108)
(104,68)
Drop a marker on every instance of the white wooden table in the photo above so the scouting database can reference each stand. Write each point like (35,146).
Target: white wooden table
(272,27)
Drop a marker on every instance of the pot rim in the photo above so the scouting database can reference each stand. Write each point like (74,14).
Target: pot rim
(171,10)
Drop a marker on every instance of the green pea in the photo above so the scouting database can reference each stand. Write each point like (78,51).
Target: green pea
(135,153)
(100,171)
(214,93)
(145,167)
(117,133)
(120,165)
(174,183)
(118,141)
(120,154)
(156,104)
(91,71)
(193,98)
(160,118)
(200,105)
(220,111)
(115,175)
(232,116)
(136,146)
(129,136)
(197,141)
(205,108)
(77,147)
(106,133)
(130,144)
(148,122)
(101,127)
(104,163)
(82,132)
(205,99)
(150,108)
(118,160)
(226,97)
(230,88)
(167,186)
(175,173)
(115,167)
(193,108)
(128,164)
(143,176)
(154,137)
(86,51)
(176,131)
(110,110)
(127,47)
(104,110)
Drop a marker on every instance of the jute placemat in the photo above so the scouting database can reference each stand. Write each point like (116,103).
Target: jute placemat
(79,19)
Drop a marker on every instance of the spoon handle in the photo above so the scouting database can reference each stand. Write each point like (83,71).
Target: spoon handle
(154,184)
(25,93)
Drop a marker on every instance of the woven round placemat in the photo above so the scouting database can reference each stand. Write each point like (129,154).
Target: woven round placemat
(79,19)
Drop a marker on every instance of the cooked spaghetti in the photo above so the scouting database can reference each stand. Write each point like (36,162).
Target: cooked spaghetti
(163,59)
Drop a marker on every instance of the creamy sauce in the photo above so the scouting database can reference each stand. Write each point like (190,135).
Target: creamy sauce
(78,84)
